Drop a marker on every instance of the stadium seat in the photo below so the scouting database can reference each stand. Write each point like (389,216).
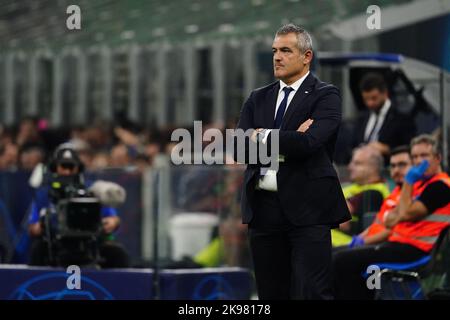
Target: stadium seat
(371,201)
(425,278)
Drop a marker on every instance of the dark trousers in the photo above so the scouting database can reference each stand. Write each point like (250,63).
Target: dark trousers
(290,262)
(349,265)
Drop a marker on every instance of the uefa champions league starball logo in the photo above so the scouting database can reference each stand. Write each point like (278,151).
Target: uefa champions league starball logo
(213,288)
(52,286)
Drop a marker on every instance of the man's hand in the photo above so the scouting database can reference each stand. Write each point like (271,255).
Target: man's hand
(391,218)
(305,125)
(35,229)
(357,241)
(110,224)
(127,137)
(416,173)
(255,132)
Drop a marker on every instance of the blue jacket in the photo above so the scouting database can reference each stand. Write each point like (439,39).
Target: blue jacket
(42,201)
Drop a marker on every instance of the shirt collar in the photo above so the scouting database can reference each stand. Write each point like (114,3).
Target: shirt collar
(385,108)
(295,85)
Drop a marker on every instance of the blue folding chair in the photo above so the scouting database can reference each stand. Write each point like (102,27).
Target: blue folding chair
(417,280)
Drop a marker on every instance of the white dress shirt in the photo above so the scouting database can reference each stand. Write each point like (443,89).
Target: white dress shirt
(373,120)
(269,180)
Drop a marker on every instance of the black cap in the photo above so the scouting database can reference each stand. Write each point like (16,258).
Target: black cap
(65,156)
(68,156)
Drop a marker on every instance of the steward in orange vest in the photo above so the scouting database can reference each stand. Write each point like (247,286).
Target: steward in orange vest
(424,233)
(424,207)
(399,164)
(422,212)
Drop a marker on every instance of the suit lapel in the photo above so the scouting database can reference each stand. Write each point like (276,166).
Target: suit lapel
(386,122)
(302,92)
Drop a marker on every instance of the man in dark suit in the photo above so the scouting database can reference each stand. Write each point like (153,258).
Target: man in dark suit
(290,211)
(381,125)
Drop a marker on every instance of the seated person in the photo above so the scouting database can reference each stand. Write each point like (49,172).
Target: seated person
(422,213)
(364,194)
(66,164)
(400,162)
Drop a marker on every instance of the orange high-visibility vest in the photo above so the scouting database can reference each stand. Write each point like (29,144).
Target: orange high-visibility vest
(389,203)
(424,233)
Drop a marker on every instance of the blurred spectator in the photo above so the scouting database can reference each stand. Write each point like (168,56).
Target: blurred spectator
(98,136)
(9,156)
(99,161)
(365,193)
(6,136)
(142,162)
(28,132)
(30,156)
(152,150)
(400,162)
(120,156)
(127,137)
(382,125)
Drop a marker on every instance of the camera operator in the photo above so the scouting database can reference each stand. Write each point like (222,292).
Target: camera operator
(66,165)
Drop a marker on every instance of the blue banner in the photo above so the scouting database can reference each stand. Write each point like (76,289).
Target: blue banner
(33,283)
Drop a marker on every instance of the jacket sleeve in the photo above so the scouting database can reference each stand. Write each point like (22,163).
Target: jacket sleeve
(243,144)
(327,117)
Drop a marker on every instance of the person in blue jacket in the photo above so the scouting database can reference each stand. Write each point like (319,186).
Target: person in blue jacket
(67,164)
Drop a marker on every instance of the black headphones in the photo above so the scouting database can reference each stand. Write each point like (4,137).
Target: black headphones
(65,154)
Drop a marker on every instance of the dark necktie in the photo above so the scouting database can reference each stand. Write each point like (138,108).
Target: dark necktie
(282,108)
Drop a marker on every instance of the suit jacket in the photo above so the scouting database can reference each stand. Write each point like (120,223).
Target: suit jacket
(308,186)
(397,129)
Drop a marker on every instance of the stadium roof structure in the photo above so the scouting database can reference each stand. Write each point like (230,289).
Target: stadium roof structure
(36,24)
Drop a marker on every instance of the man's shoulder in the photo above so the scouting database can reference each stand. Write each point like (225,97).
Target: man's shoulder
(316,86)
(437,186)
(266,88)
(324,87)
(396,114)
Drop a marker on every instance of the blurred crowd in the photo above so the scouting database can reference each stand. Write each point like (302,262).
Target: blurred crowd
(100,145)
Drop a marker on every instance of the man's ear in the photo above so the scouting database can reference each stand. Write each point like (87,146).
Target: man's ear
(308,56)
(439,157)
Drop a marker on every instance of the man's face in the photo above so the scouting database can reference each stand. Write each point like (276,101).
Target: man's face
(10,155)
(399,166)
(374,99)
(66,169)
(288,62)
(359,167)
(424,151)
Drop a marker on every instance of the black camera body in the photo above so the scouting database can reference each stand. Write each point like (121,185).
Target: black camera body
(74,225)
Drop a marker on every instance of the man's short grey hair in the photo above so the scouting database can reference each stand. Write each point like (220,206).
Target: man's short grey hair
(304,40)
(427,139)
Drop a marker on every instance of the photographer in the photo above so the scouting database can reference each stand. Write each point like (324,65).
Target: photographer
(66,174)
